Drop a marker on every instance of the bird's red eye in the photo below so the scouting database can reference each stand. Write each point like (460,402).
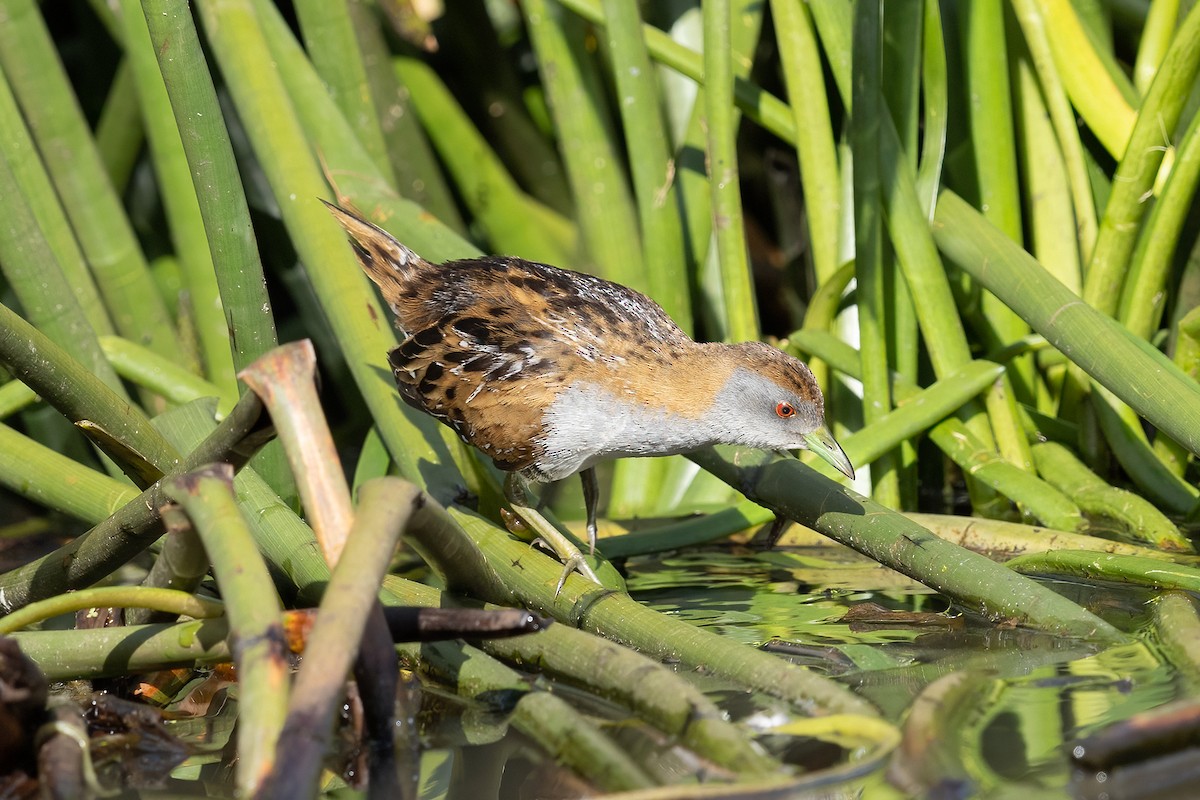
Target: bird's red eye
(785,410)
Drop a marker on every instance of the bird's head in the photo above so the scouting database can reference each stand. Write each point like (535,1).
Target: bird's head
(772,401)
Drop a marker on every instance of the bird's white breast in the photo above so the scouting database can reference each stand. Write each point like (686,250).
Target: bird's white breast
(587,423)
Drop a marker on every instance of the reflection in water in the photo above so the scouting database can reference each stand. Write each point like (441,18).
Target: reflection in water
(1017,695)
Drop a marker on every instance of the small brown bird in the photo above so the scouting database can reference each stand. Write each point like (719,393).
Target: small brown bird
(549,371)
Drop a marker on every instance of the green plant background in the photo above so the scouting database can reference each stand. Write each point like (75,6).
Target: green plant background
(976,221)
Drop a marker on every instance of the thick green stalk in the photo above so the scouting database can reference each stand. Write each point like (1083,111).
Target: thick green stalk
(1133,370)
(1154,41)
(650,162)
(119,132)
(331,42)
(1187,358)
(223,206)
(76,392)
(180,200)
(571,737)
(54,481)
(974,581)
(1177,627)
(40,83)
(513,221)
(995,167)
(1139,570)
(992,136)
(740,317)
(1098,98)
(252,72)
(899,89)
(1144,297)
(691,171)
(1052,223)
(835,23)
(149,370)
(1124,433)
(765,109)
(34,192)
(15,396)
(999,538)
(1135,176)
(75,655)
(801,60)
(1035,497)
(1062,115)
(522,141)
(1140,519)
(419,176)
(935,87)
(255,616)
(352,174)
(941,326)
(35,275)
(870,267)
(348,51)
(604,209)
(900,79)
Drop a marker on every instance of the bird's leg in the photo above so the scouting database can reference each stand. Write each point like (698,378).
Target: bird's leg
(591,496)
(780,525)
(566,551)
(514,490)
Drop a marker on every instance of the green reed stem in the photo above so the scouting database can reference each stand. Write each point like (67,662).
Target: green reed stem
(34,193)
(180,199)
(737,288)
(73,655)
(873,324)
(166,600)
(979,584)
(513,221)
(1140,162)
(40,83)
(603,206)
(1137,373)
(255,75)
(1138,570)
(1141,521)
(255,615)
(75,391)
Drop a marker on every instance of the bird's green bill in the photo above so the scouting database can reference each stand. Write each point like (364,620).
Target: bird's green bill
(822,443)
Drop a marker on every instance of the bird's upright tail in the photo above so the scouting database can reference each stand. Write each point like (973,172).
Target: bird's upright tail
(391,265)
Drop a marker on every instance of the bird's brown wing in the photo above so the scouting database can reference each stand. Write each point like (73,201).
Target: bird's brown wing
(533,299)
(489,393)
